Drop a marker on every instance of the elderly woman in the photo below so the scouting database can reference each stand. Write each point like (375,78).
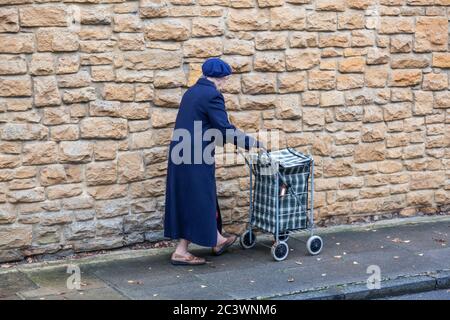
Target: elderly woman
(192,212)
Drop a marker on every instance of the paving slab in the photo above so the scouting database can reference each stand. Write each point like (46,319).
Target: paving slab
(54,281)
(137,278)
(13,282)
(395,263)
(441,256)
(354,242)
(192,290)
(427,237)
(250,283)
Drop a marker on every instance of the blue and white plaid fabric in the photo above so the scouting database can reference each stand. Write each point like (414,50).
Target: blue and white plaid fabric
(294,169)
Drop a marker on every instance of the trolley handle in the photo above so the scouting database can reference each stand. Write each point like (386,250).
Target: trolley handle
(263,151)
(267,158)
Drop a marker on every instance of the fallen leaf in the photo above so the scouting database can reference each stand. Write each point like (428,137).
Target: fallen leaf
(439,240)
(398,240)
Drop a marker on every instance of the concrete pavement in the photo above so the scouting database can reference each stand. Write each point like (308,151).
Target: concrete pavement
(408,258)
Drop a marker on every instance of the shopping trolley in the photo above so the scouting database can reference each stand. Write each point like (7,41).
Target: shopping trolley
(279,199)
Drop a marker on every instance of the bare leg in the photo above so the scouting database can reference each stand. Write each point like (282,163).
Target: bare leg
(183,244)
(223,243)
(182,247)
(220,239)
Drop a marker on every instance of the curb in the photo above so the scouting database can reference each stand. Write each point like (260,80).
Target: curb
(389,287)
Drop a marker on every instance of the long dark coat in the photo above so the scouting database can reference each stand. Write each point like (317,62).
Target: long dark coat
(191,202)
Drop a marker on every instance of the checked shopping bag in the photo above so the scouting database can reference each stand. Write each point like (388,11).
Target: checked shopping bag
(294,170)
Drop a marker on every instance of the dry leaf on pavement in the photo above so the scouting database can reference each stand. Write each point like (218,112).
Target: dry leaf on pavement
(398,240)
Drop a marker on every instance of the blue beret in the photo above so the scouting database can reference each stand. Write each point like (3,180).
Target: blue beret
(216,68)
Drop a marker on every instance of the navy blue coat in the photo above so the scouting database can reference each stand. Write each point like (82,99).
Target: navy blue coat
(191,200)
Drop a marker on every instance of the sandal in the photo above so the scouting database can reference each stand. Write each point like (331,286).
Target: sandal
(189,260)
(222,248)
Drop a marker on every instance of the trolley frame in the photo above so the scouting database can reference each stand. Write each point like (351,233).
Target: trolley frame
(310,211)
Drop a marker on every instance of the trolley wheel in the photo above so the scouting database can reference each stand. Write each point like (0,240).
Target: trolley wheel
(246,241)
(314,245)
(280,250)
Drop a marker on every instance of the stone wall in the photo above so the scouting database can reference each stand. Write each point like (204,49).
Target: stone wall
(89,91)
